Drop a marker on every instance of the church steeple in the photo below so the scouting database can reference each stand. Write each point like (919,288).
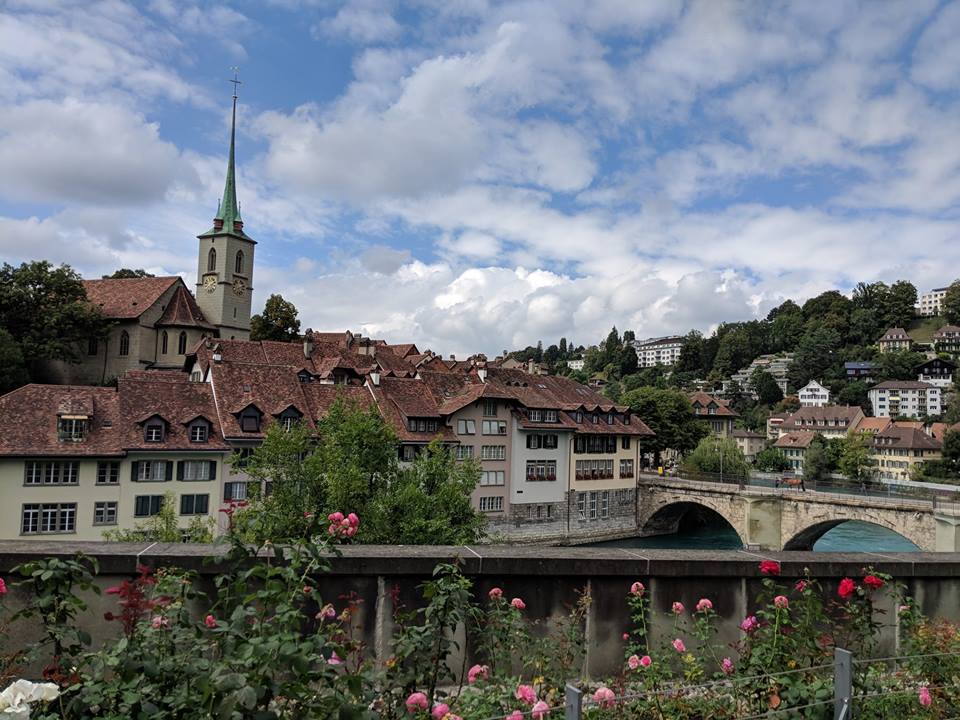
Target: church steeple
(225,261)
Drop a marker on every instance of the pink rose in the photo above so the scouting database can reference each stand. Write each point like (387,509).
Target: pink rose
(704,605)
(924,695)
(526,694)
(327,612)
(416,701)
(495,593)
(904,608)
(727,666)
(515,715)
(518,604)
(158,622)
(336,517)
(679,646)
(335,659)
(637,589)
(781,602)
(540,710)
(645,661)
(478,672)
(626,636)
(440,711)
(749,624)
(210,621)
(800,586)
(3,587)
(633,662)
(677,608)
(604,697)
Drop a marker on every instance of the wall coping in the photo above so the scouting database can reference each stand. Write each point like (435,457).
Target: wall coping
(505,560)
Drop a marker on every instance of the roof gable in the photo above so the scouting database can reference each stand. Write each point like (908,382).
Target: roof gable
(127,298)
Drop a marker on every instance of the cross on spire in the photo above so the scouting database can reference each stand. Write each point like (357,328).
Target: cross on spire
(229,210)
(236,80)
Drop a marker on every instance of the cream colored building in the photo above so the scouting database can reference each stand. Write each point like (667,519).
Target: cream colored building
(898,449)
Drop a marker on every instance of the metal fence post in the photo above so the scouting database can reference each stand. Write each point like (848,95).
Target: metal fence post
(842,684)
(573,703)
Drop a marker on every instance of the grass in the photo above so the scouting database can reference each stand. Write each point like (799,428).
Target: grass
(921,329)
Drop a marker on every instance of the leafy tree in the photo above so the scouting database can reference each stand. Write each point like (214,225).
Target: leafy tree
(613,390)
(277,322)
(951,303)
(900,303)
(900,365)
(787,307)
(765,386)
(866,326)
(854,460)
(717,455)
(855,393)
(814,354)
(951,452)
(669,414)
(692,353)
(45,310)
(870,296)
(13,370)
(165,527)
(816,461)
(739,400)
(128,273)
(785,330)
(771,460)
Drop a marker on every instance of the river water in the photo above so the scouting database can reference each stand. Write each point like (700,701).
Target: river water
(715,534)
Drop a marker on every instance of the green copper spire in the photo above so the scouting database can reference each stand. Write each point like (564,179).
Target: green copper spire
(229,210)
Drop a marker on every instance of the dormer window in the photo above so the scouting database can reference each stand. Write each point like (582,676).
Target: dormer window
(250,420)
(199,431)
(304,377)
(422,425)
(153,432)
(550,416)
(71,428)
(536,416)
(609,418)
(578,417)
(289,417)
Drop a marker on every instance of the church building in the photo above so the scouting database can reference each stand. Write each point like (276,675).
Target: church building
(157,321)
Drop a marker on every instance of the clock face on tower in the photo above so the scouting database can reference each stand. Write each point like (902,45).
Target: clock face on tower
(239,287)
(210,283)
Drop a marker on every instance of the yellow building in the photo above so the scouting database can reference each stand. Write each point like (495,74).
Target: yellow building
(898,449)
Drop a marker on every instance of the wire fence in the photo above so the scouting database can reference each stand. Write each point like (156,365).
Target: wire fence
(849,694)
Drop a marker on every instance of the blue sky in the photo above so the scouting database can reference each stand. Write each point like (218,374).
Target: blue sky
(473,175)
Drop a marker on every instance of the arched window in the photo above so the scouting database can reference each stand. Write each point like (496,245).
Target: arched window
(124,343)
(182,344)
(211,260)
(239,267)
(163,343)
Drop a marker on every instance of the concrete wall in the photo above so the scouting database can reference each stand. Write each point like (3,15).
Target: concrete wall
(548,580)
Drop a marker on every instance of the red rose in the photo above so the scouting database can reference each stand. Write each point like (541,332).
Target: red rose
(847,588)
(769,567)
(873,581)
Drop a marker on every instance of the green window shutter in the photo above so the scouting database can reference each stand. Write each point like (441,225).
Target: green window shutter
(180,465)
(168,475)
(134,467)
(213,469)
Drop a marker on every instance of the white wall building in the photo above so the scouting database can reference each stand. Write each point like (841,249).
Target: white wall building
(909,398)
(813,394)
(575,364)
(658,351)
(931,302)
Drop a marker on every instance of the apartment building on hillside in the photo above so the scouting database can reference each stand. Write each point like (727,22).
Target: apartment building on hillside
(663,351)
(931,303)
(909,398)
(715,412)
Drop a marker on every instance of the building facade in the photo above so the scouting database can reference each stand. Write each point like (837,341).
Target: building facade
(931,303)
(831,421)
(715,412)
(749,442)
(908,398)
(895,340)
(794,446)
(947,340)
(937,371)
(664,351)
(898,450)
(813,394)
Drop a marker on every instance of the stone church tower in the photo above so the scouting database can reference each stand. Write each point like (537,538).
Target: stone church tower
(225,262)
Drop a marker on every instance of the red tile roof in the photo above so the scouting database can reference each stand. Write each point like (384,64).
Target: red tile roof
(907,438)
(127,298)
(843,416)
(796,439)
(702,400)
(182,311)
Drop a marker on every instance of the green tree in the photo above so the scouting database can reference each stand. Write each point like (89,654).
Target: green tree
(816,460)
(45,310)
(815,353)
(771,460)
(128,273)
(692,354)
(740,401)
(900,303)
(855,393)
(717,455)
(854,460)
(277,322)
(165,527)
(765,386)
(951,303)
(900,365)
(951,453)
(669,414)
(13,369)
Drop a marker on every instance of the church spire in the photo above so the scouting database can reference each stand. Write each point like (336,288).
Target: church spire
(228,212)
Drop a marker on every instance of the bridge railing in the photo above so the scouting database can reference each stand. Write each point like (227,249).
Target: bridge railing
(842,489)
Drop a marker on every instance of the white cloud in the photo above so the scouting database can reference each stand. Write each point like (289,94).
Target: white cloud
(937,54)
(362,21)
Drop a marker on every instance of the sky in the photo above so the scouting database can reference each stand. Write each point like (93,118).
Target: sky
(472,175)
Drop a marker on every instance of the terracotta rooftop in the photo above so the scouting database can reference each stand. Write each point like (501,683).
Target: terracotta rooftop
(908,438)
(702,401)
(182,311)
(902,385)
(795,439)
(843,416)
(895,333)
(126,298)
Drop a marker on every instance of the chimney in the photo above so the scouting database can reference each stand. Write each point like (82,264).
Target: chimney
(452,356)
(482,367)
(530,366)
(217,354)
(308,343)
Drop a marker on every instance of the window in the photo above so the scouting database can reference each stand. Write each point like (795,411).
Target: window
(582,506)
(151,470)
(105,513)
(408,453)
(108,473)
(250,420)
(491,504)
(625,442)
(124,343)
(289,418)
(38,472)
(626,468)
(238,265)
(422,425)
(182,344)
(578,417)
(464,452)
(535,415)
(71,429)
(605,504)
(541,470)
(490,408)
(234,491)
(492,477)
(594,469)
(493,452)
(92,346)
(48,518)
(211,260)
(595,444)
(466,427)
(550,416)
(153,432)
(164,338)
(194,504)
(199,432)
(494,427)
(147,505)
(197,470)
(592,506)
(547,442)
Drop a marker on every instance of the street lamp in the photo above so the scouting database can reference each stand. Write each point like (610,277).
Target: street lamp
(716,446)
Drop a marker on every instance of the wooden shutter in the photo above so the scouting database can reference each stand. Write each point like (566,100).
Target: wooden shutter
(168,475)
(134,468)
(213,469)
(180,469)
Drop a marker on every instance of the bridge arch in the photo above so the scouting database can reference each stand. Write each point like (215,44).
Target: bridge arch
(806,538)
(669,518)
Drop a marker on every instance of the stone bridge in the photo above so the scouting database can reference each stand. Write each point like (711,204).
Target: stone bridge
(789,519)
